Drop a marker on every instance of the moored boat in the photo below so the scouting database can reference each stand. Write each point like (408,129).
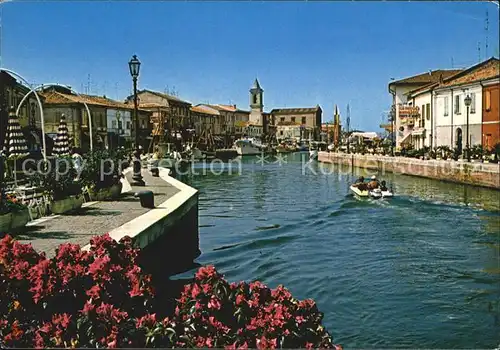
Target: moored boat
(247,147)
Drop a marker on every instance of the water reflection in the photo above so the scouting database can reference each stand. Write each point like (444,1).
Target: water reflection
(418,270)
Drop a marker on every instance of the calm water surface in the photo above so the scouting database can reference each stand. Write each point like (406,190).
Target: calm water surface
(419,270)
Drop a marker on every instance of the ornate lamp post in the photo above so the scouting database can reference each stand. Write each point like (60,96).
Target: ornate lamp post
(134,65)
(467,101)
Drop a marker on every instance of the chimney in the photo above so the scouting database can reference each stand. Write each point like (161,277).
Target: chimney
(103,96)
(441,78)
(234,106)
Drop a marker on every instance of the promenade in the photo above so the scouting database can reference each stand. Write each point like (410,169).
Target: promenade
(96,218)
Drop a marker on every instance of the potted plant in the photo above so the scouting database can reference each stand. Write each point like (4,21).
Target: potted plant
(102,173)
(59,181)
(13,214)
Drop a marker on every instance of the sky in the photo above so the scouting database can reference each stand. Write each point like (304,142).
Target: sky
(304,53)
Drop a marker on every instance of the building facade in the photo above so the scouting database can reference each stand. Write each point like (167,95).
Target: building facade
(104,112)
(168,114)
(11,94)
(404,112)
(456,124)
(491,113)
(298,123)
(206,120)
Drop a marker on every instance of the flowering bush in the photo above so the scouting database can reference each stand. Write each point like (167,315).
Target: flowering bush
(10,204)
(101,298)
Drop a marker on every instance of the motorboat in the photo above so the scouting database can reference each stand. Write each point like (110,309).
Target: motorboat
(247,147)
(375,193)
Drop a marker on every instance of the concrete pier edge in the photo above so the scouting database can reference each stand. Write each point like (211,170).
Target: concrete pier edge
(476,174)
(148,227)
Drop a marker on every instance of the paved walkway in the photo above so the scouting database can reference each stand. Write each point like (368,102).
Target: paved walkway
(94,218)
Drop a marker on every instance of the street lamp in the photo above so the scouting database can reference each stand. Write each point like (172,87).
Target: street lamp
(467,101)
(134,65)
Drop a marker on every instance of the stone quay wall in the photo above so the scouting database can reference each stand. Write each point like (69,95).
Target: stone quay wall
(478,174)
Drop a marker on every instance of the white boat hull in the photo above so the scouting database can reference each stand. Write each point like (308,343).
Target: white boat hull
(372,193)
(247,149)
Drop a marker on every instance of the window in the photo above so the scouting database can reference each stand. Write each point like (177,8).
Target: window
(473,102)
(428,111)
(282,119)
(113,124)
(422,112)
(293,119)
(457,104)
(487,100)
(128,125)
(446,105)
(303,120)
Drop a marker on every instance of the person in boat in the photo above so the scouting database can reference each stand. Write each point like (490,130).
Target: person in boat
(373,184)
(383,186)
(360,183)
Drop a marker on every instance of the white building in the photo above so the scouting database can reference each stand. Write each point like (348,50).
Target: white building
(451,112)
(405,113)
(119,127)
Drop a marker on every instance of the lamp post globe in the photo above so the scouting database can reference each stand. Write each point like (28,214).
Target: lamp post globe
(467,101)
(134,65)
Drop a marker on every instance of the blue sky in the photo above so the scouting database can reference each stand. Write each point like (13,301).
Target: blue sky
(303,53)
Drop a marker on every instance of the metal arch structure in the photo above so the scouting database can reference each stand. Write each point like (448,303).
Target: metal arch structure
(20,77)
(73,91)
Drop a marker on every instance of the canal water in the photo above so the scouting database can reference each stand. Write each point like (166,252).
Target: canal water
(420,270)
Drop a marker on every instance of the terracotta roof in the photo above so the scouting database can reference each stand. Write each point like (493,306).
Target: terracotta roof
(421,89)
(205,110)
(428,77)
(152,105)
(227,108)
(54,97)
(482,71)
(295,110)
(164,95)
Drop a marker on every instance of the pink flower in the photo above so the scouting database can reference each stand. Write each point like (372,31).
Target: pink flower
(205,272)
(214,303)
(195,290)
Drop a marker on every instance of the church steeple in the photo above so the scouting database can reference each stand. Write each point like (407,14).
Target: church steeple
(336,116)
(256,85)
(256,96)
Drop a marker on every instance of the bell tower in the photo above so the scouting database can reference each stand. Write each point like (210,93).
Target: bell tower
(256,103)
(336,126)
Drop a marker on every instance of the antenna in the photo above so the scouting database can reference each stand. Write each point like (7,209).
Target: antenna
(87,90)
(452,65)
(116,90)
(479,51)
(486,28)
